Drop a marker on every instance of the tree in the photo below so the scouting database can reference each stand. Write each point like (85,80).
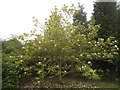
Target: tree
(80,16)
(60,51)
(118,20)
(105,14)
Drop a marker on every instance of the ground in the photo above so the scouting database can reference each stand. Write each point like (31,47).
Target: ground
(68,82)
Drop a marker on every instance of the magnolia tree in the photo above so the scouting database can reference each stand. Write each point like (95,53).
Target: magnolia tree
(60,50)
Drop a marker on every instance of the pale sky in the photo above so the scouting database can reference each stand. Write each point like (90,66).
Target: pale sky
(16,15)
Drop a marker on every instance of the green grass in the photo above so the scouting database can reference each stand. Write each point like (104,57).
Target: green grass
(104,84)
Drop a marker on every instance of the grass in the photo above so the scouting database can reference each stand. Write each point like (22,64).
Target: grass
(68,82)
(104,84)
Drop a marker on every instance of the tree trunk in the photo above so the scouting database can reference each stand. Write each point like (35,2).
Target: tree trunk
(60,77)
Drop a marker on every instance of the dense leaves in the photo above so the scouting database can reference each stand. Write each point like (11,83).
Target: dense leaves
(61,51)
(10,69)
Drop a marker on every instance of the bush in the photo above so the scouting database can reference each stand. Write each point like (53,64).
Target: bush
(10,73)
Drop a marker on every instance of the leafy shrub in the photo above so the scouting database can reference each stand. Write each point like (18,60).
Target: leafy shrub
(10,69)
(10,74)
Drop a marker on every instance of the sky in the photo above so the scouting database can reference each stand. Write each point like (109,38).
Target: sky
(16,15)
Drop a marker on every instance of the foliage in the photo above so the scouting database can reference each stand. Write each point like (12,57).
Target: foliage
(105,13)
(80,16)
(60,51)
(10,70)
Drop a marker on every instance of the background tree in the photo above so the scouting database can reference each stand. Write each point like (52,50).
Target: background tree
(80,16)
(105,14)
